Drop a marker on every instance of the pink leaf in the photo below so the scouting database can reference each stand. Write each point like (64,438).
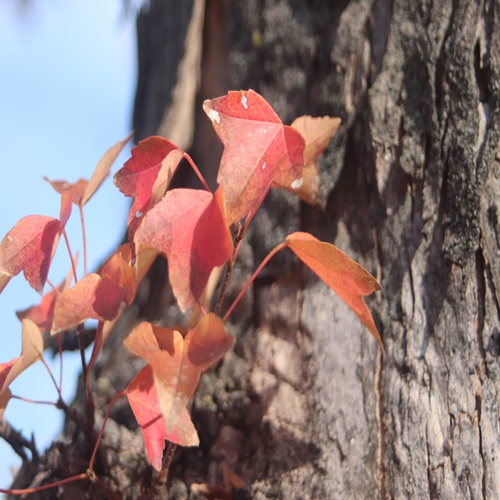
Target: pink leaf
(188,226)
(259,150)
(29,247)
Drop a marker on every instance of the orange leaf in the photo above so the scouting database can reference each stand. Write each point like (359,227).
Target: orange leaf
(188,227)
(317,133)
(31,351)
(102,169)
(4,399)
(177,362)
(29,247)
(143,399)
(75,305)
(82,190)
(75,190)
(342,274)
(258,150)
(43,313)
(147,174)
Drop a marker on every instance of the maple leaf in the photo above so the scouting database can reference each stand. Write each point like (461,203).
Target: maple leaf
(188,227)
(258,150)
(42,314)
(344,276)
(177,362)
(317,133)
(76,305)
(127,275)
(31,351)
(82,190)
(29,247)
(143,399)
(147,174)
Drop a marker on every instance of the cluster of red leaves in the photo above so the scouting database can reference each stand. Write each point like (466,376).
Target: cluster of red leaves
(192,228)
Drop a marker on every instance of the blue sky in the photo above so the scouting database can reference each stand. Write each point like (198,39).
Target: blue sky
(67,80)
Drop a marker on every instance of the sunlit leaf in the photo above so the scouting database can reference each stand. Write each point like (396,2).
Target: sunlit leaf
(31,351)
(258,150)
(344,276)
(29,247)
(187,226)
(76,305)
(147,174)
(177,362)
(317,133)
(42,314)
(143,398)
(102,169)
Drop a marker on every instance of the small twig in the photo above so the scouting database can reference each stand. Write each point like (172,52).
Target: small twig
(103,487)
(161,478)
(17,441)
(238,236)
(89,399)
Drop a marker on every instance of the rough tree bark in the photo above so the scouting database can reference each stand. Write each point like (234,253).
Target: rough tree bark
(306,406)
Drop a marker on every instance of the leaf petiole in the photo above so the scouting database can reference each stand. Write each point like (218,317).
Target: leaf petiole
(268,257)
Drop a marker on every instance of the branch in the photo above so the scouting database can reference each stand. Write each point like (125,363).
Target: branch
(18,441)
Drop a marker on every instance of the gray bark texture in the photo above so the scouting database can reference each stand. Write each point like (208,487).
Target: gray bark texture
(306,406)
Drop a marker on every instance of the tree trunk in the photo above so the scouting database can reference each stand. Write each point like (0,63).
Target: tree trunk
(306,405)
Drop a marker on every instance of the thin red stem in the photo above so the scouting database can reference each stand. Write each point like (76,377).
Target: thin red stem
(36,489)
(59,346)
(268,257)
(238,236)
(68,246)
(84,239)
(58,389)
(197,172)
(112,402)
(52,286)
(33,401)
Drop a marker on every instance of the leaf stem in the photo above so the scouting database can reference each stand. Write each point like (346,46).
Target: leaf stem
(60,348)
(268,257)
(47,367)
(99,437)
(36,489)
(197,172)
(238,237)
(71,257)
(84,239)
(52,285)
(33,401)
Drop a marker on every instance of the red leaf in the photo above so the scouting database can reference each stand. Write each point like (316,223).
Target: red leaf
(342,274)
(102,169)
(317,133)
(29,247)
(4,399)
(187,225)
(82,190)
(143,399)
(75,189)
(146,175)
(31,351)
(75,305)
(259,150)
(65,211)
(43,314)
(177,362)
